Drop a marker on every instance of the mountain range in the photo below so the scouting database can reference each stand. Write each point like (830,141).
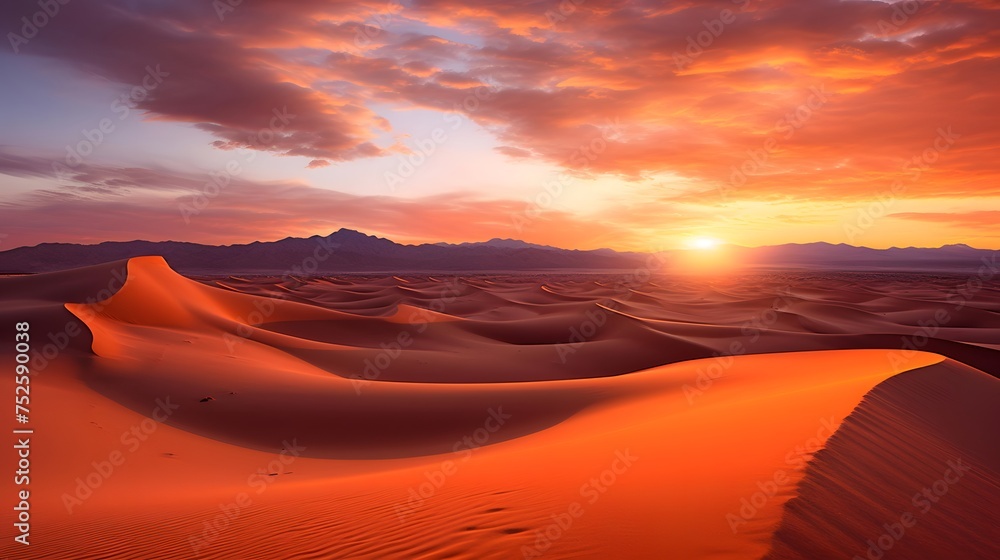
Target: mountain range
(351,251)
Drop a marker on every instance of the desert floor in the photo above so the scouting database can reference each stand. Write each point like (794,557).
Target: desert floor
(779,415)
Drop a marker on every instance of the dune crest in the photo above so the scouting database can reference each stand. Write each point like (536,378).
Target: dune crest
(911,474)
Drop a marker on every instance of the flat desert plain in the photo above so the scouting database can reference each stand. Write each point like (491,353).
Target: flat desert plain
(766,415)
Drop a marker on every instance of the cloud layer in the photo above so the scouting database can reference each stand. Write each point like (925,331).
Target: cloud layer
(753,101)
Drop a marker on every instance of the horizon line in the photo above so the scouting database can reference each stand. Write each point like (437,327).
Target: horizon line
(510,239)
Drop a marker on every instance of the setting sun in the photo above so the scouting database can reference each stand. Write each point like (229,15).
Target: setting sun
(703,243)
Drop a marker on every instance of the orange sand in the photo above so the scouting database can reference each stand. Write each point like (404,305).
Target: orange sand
(475,442)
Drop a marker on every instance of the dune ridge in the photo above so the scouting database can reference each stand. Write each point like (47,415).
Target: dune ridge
(914,472)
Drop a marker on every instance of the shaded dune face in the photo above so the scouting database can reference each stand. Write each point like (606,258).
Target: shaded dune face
(383,380)
(40,298)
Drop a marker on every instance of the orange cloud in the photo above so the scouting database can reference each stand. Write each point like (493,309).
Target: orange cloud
(821,102)
(981,218)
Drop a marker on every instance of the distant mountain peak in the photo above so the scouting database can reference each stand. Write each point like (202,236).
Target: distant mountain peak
(503,243)
(346,232)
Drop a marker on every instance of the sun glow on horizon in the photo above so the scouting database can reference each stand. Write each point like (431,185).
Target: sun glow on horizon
(705,255)
(703,243)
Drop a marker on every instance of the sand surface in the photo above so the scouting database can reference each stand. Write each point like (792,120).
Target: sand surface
(506,417)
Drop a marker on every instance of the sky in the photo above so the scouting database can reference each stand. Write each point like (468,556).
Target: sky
(576,123)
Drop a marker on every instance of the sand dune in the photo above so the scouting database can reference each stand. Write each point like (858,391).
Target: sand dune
(666,320)
(913,465)
(504,417)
